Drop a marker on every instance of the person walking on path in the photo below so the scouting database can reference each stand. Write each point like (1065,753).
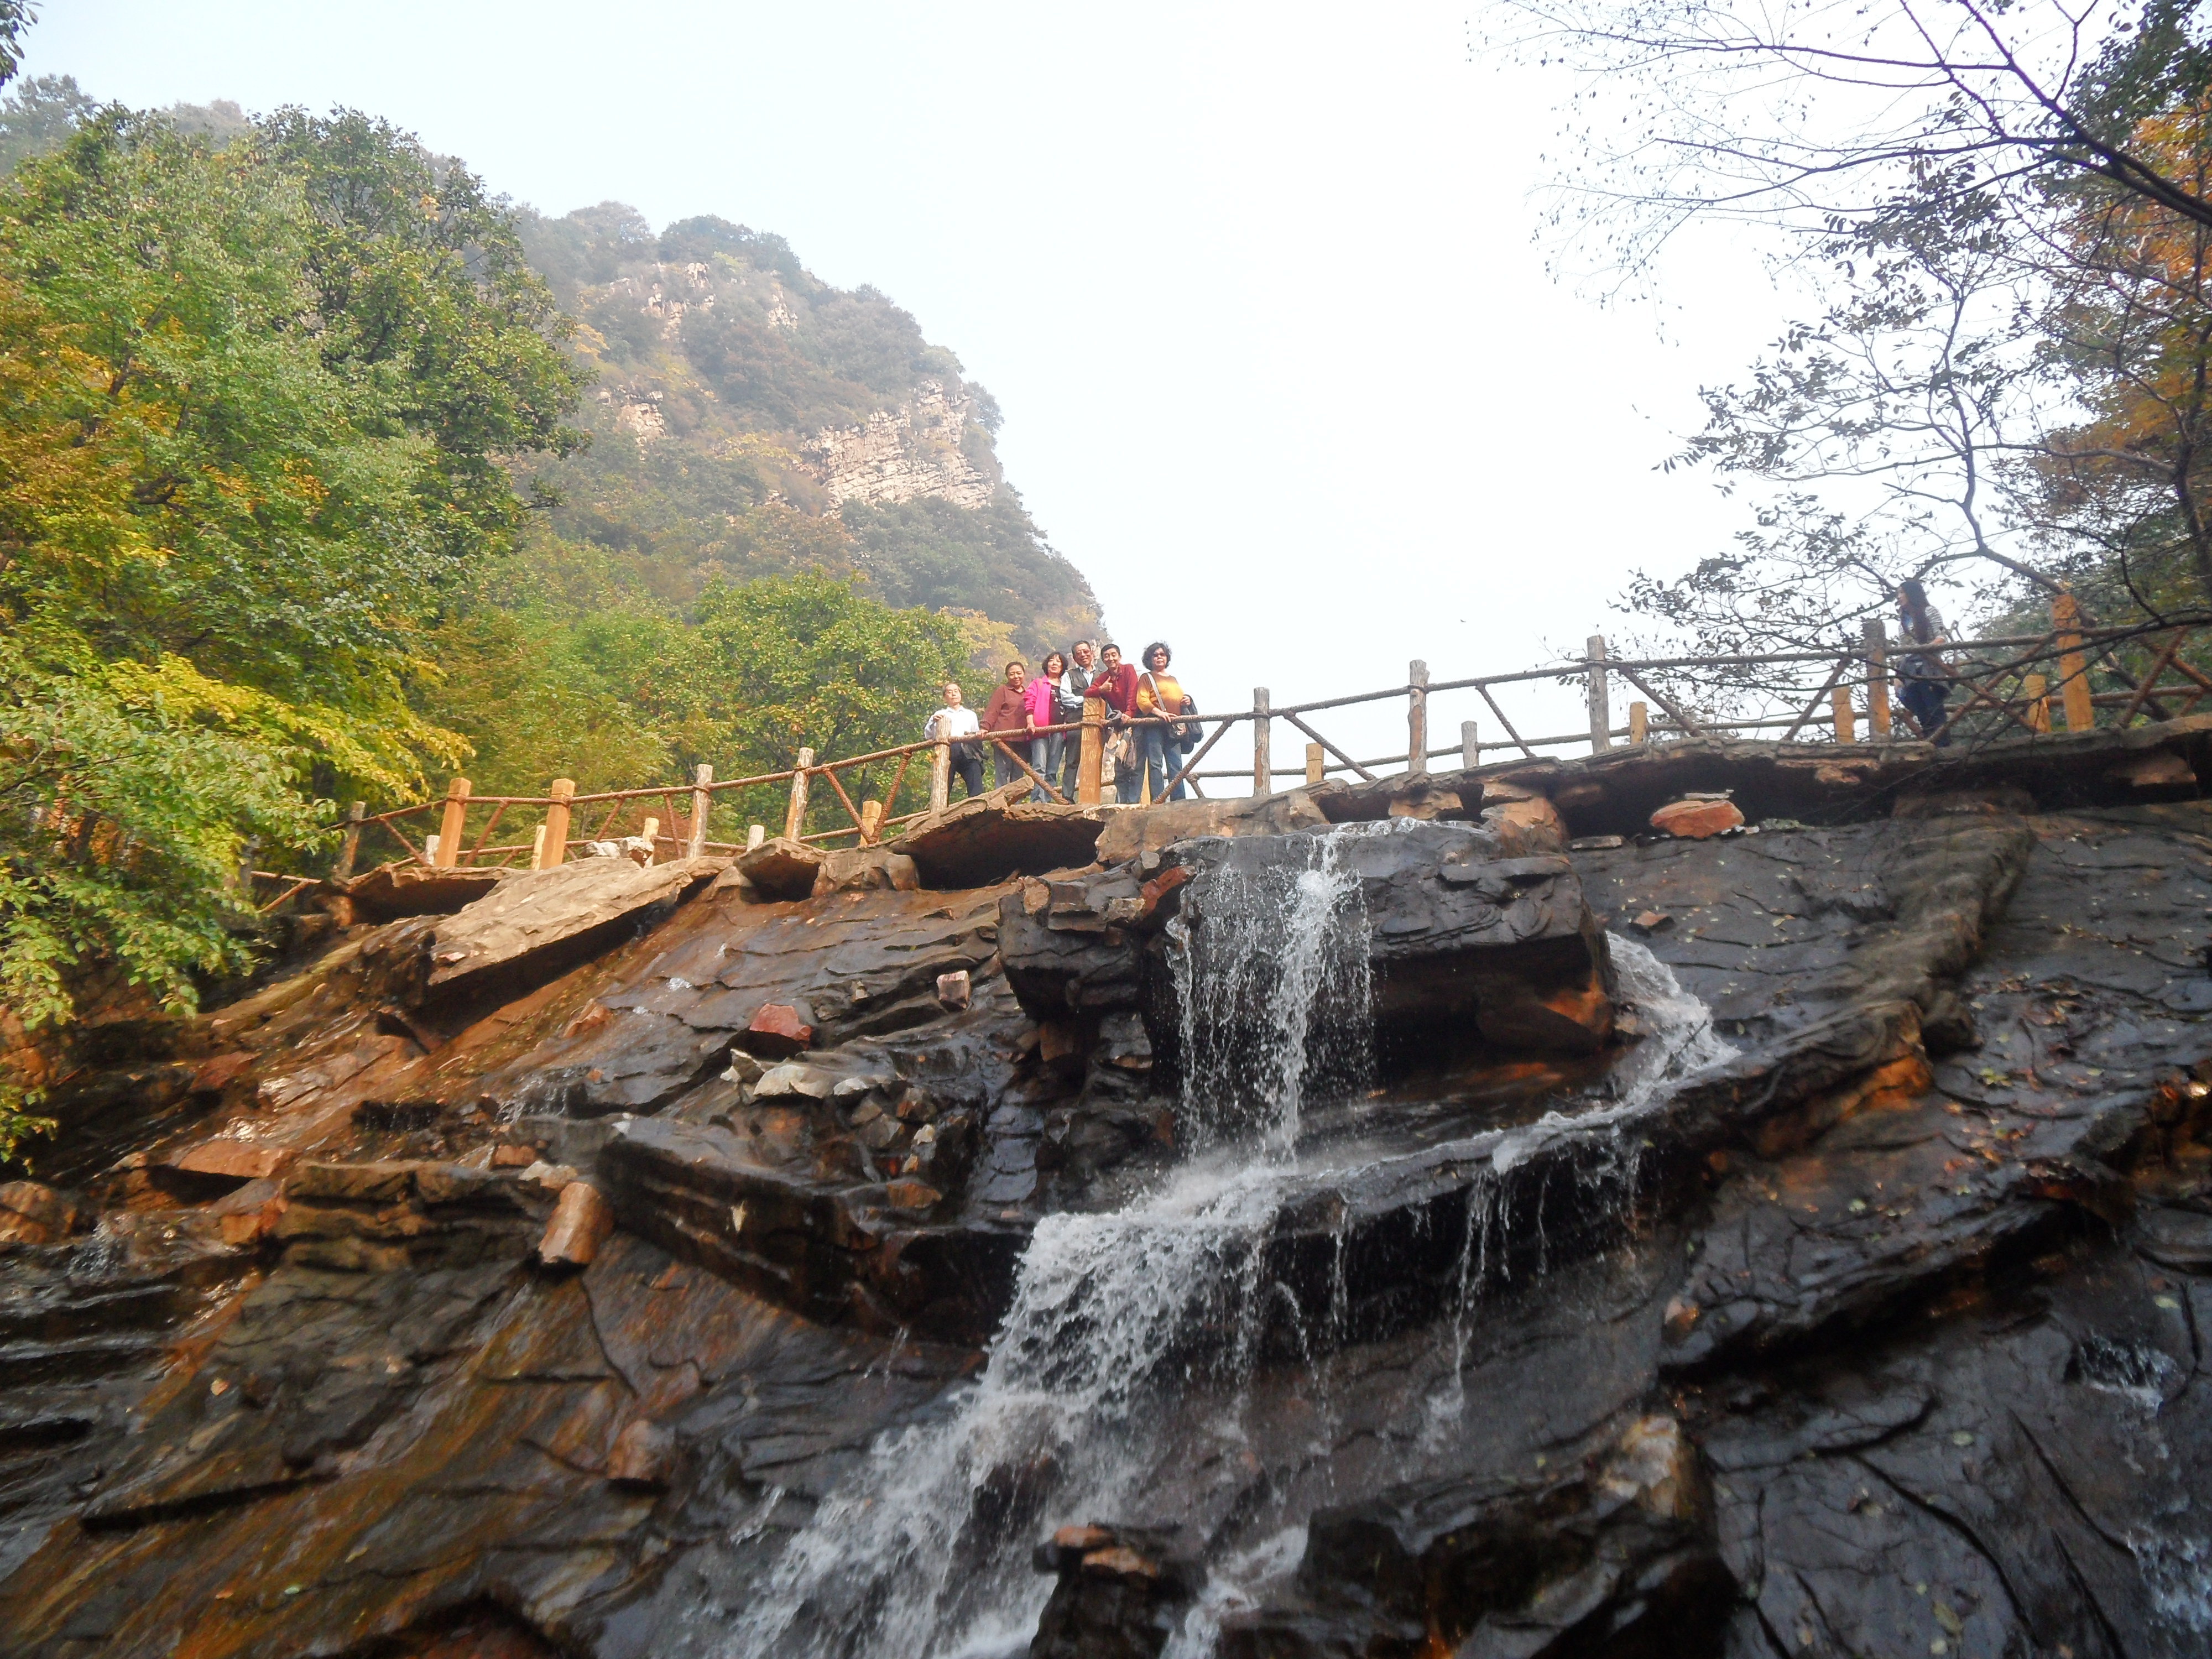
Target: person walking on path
(952,723)
(1006,712)
(1158,693)
(1038,699)
(1116,687)
(1923,677)
(1067,707)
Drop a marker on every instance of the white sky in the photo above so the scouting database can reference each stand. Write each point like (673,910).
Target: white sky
(1255,286)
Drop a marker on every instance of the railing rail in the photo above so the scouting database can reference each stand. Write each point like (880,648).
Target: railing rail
(1849,682)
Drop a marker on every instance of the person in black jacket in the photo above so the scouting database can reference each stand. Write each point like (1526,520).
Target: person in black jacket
(1074,685)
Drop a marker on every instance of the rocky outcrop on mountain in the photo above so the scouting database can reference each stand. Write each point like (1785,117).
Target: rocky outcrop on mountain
(364,1315)
(896,454)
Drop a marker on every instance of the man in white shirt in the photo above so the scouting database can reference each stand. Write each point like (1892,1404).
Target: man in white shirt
(951,724)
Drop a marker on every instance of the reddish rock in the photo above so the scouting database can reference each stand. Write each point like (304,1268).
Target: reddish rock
(243,1159)
(582,1221)
(954,989)
(513,1156)
(643,1455)
(1527,827)
(1120,1562)
(1650,922)
(212,1076)
(777,1031)
(1696,820)
(1081,1539)
(32,1213)
(912,1195)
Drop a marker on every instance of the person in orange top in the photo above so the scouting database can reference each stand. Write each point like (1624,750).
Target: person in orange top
(1007,712)
(1159,693)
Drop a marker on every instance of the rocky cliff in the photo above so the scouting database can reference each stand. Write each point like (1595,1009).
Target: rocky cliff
(749,417)
(1440,1217)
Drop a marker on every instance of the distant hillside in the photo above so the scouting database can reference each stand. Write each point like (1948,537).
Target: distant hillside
(750,420)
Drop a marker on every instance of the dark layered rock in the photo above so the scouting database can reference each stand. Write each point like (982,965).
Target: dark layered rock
(409,889)
(994,837)
(1613,1553)
(1918,1272)
(532,925)
(1460,936)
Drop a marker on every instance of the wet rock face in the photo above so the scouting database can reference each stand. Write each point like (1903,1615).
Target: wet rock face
(1460,936)
(1878,1334)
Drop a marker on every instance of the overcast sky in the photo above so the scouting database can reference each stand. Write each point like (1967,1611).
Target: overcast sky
(1258,287)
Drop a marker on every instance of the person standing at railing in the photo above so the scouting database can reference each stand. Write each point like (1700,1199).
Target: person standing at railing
(1006,713)
(1068,708)
(952,723)
(1116,687)
(1038,699)
(1158,693)
(1923,677)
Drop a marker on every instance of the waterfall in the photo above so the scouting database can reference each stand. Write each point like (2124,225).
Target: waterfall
(923,1553)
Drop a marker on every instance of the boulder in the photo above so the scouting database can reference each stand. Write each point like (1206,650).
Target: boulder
(538,924)
(1526,827)
(1131,833)
(33,1213)
(409,889)
(1450,922)
(582,1218)
(643,1455)
(866,869)
(1121,1592)
(792,1081)
(778,1030)
(239,1160)
(999,835)
(1074,946)
(1695,819)
(780,868)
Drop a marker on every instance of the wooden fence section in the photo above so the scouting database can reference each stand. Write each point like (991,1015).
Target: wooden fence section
(2015,683)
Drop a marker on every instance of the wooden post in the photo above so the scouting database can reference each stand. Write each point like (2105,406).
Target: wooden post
(871,823)
(1263,737)
(1470,746)
(555,847)
(1315,770)
(453,825)
(940,776)
(1877,656)
(794,815)
(755,834)
(1417,716)
(702,805)
(1090,759)
(2037,692)
(1640,724)
(248,851)
(349,848)
(1846,727)
(2072,666)
(1601,711)
(538,847)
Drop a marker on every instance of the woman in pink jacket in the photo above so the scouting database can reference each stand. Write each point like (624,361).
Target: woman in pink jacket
(1046,748)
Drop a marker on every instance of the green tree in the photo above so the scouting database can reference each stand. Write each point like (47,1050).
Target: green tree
(250,424)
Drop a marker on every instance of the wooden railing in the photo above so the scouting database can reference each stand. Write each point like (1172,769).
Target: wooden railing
(2014,684)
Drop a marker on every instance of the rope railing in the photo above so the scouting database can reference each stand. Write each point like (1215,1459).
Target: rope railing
(2005,692)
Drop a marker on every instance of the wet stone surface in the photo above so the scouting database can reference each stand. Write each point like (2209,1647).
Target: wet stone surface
(1882,1336)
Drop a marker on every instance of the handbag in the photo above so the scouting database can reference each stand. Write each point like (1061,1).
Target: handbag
(1187,733)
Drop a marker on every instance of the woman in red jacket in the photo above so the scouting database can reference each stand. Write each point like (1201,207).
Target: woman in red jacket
(1007,713)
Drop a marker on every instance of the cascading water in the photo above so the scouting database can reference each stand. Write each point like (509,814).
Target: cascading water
(1109,1310)
(1116,1316)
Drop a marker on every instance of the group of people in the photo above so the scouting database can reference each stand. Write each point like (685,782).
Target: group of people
(1150,728)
